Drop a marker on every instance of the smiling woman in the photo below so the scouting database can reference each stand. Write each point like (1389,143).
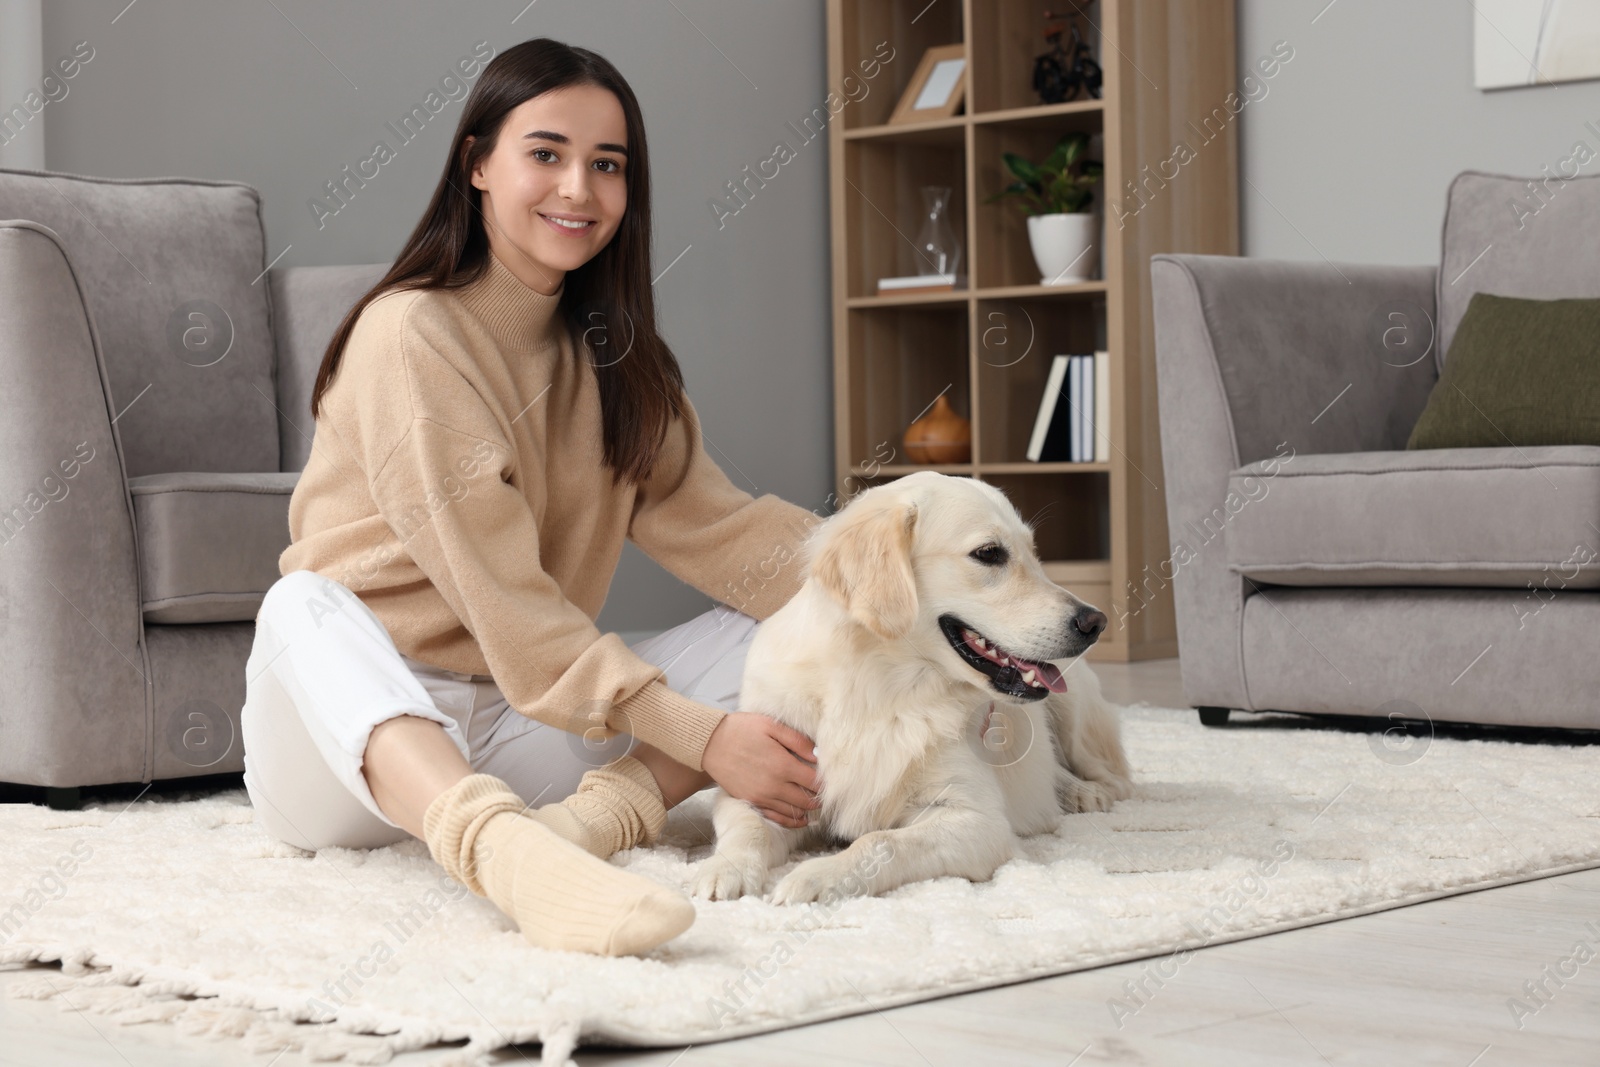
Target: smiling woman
(533,188)
(435,670)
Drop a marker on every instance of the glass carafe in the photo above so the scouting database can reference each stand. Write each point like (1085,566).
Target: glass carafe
(938,247)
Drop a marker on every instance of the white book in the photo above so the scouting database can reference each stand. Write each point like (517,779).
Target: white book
(915,281)
(1047,406)
(1102,407)
(1086,437)
(1075,375)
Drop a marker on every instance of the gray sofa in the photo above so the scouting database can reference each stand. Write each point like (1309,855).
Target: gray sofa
(156,381)
(1320,567)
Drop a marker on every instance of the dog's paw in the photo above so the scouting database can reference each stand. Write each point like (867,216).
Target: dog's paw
(1096,796)
(810,881)
(1077,795)
(720,878)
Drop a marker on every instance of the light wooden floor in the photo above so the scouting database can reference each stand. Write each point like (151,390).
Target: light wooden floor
(1426,984)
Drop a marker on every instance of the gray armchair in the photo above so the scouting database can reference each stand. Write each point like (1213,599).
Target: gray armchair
(157,380)
(1320,567)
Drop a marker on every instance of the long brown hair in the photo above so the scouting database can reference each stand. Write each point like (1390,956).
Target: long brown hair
(449,248)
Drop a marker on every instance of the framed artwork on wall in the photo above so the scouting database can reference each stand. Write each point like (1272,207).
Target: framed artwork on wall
(1534,42)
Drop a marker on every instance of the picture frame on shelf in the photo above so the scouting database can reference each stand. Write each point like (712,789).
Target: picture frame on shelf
(938,86)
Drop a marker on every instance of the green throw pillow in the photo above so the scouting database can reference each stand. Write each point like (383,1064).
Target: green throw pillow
(1518,372)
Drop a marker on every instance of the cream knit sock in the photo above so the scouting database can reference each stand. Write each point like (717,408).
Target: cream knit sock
(615,807)
(560,896)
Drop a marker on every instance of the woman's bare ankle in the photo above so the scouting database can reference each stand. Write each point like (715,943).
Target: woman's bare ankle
(408,762)
(676,782)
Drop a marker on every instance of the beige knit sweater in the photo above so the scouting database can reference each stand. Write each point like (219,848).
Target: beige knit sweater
(456,485)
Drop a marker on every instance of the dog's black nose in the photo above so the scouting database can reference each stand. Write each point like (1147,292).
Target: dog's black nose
(1090,622)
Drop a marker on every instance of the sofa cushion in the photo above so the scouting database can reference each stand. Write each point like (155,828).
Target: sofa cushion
(1530,237)
(1521,372)
(209,543)
(1447,516)
(169,269)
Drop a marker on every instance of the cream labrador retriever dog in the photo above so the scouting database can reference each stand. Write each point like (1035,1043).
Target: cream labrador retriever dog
(920,655)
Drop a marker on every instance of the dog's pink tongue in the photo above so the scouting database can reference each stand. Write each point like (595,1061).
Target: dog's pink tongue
(1051,677)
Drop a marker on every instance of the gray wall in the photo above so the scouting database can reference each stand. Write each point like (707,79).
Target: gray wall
(22,73)
(1351,150)
(285,100)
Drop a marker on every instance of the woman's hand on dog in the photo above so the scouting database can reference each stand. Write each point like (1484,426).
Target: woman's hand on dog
(771,766)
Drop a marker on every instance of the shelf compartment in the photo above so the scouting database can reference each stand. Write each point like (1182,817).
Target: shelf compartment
(1002,256)
(883,206)
(1070,513)
(1007,38)
(906,357)
(1017,342)
(868,30)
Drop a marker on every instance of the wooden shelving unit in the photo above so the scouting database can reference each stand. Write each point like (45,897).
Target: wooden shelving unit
(1166,63)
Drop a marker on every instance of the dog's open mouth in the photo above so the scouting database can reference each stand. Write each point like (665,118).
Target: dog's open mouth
(1007,673)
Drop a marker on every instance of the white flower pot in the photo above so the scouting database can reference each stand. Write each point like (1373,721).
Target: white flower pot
(1065,246)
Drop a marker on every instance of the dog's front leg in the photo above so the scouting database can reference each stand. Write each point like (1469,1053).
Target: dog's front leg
(1089,742)
(939,840)
(748,846)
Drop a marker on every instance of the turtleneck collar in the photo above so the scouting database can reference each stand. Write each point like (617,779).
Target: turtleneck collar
(515,314)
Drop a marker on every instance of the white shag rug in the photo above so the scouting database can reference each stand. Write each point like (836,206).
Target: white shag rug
(186,911)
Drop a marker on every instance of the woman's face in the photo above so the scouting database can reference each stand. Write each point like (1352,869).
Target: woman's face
(555,186)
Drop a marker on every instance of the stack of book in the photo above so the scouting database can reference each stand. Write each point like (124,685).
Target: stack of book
(1073,424)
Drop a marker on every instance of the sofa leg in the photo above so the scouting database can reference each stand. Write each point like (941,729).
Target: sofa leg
(1213,716)
(68,798)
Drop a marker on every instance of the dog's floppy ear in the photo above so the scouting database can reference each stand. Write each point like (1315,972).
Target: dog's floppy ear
(865,564)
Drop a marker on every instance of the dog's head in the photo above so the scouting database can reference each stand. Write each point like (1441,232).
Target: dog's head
(947,564)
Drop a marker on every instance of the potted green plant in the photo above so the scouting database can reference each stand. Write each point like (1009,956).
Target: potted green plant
(1057,194)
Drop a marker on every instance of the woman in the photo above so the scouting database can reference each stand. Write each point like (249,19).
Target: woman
(428,662)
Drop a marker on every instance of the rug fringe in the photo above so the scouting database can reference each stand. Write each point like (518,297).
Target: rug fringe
(475,1053)
(129,1000)
(557,1042)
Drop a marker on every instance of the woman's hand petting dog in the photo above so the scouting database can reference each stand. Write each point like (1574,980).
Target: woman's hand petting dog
(766,763)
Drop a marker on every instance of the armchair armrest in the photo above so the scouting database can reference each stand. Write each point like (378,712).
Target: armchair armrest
(1258,359)
(75,707)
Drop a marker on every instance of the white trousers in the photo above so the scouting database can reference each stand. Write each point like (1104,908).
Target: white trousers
(323,671)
